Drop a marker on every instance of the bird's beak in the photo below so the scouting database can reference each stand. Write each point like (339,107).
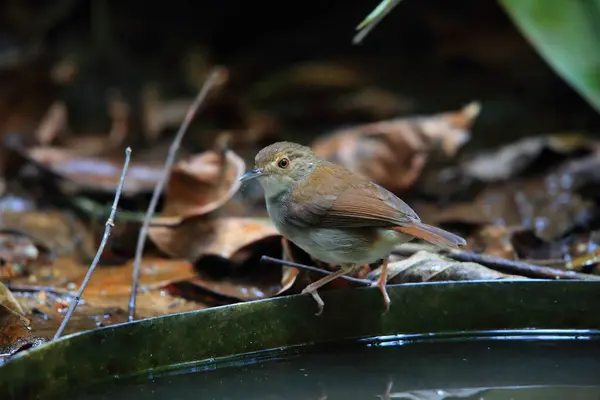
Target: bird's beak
(255,173)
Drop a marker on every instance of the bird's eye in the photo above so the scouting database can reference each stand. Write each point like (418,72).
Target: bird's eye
(283,163)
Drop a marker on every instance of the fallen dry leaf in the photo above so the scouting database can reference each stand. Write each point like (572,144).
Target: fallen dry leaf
(9,301)
(14,326)
(289,274)
(577,155)
(154,274)
(159,114)
(579,251)
(55,123)
(46,293)
(201,184)
(94,173)
(59,233)
(547,206)
(244,277)
(16,252)
(229,238)
(288,278)
(393,153)
(46,309)
(250,283)
(429,267)
(493,240)
(517,158)
(67,273)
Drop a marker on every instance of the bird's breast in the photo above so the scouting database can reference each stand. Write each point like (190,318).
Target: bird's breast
(335,245)
(347,246)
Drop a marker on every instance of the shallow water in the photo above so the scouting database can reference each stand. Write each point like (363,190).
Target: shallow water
(489,368)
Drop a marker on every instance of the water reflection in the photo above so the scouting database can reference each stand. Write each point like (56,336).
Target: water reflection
(485,368)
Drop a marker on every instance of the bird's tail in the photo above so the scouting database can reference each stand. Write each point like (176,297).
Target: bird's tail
(433,235)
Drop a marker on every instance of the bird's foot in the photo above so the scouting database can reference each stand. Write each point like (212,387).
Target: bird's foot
(313,292)
(381,282)
(386,297)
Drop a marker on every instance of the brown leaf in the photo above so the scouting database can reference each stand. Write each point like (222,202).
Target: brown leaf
(106,297)
(244,277)
(289,274)
(545,206)
(94,173)
(393,153)
(154,273)
(159,114)
(252,283)
(429,267)
(7,300)
(13,324)
(16,252)
(493,240)
(288,278)
(201,184)
(223,237)
(528,158)
(46,309)
(516,158)
(57,232)
(68,273)
(53,124)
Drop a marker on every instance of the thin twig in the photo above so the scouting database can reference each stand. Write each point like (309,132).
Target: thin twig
(213,79)
(37,288)
(517,267)
(499,264)
(271,260)
(108,226)
(544,261)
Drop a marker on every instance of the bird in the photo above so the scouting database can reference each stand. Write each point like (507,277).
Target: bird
(335,215)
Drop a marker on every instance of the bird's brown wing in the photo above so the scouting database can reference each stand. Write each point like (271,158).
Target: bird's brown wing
(333,197)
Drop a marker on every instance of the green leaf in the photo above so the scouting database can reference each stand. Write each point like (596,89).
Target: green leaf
(374,18)
(567,35)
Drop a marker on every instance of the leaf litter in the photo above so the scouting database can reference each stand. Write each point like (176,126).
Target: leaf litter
(532,202)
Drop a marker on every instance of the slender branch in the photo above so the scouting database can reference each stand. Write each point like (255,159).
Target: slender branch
(276,261)
(544,261)
(518,267)
(35,288)
(108,226)
(497,263)
(215,77)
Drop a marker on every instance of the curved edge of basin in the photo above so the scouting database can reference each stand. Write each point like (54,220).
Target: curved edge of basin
(124,349)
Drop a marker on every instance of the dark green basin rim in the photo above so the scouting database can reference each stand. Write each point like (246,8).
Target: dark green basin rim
(84,358)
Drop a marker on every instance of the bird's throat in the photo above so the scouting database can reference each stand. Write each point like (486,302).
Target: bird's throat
(273,187)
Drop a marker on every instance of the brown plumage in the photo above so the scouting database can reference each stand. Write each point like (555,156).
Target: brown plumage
(334,214)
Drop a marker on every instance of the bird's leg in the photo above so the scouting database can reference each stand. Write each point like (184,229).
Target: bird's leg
(312,288)
(381,282)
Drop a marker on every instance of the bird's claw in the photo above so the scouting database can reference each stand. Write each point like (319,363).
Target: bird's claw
(318,299)
(381,282)
(386,297)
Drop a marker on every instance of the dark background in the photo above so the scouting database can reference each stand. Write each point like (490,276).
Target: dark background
(439,54)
